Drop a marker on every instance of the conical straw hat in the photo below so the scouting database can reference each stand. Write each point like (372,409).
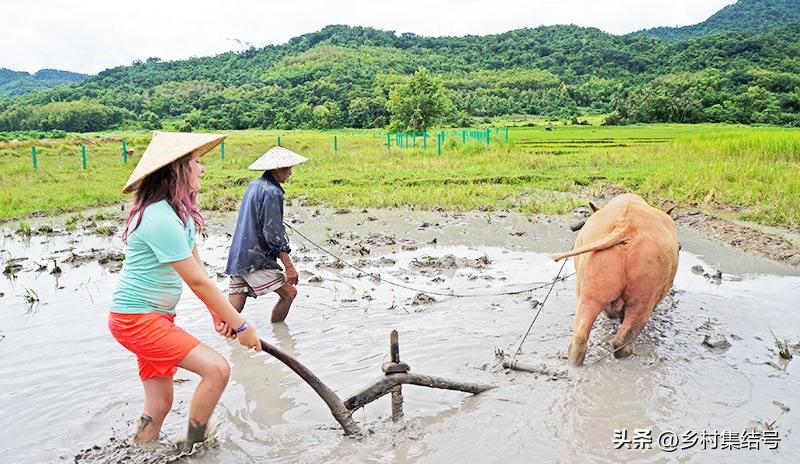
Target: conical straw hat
(275,158)
(166,147)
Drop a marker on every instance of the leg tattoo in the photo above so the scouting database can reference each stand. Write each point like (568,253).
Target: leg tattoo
(144,421)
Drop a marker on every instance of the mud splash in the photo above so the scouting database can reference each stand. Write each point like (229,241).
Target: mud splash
(87,389)
(118,450)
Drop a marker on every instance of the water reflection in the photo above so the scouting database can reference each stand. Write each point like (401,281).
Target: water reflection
(267,382)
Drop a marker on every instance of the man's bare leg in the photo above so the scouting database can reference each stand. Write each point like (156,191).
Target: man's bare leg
(287,293)
(237,300)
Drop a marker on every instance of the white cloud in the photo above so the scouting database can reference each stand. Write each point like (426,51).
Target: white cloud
(91,35)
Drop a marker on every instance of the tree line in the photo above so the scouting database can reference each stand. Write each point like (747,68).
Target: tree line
(354,77)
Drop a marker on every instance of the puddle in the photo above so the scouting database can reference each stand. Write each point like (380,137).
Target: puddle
(67,386)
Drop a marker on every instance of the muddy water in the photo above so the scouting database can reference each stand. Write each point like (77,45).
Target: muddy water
(66,385)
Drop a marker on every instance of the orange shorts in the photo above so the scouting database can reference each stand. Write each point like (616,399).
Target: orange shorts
(159,344)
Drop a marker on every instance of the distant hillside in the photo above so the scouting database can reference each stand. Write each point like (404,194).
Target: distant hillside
(341,76)
(744,15)
(13,83)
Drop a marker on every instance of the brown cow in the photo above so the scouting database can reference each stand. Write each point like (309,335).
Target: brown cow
(626,256)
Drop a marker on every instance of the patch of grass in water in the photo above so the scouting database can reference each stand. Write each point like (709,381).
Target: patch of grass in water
(24,228)
(106,230)
(72,222)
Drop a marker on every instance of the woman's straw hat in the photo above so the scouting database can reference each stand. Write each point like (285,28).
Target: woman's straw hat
(166,147)
(276,158)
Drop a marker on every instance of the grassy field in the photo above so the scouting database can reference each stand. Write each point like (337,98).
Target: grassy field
(750,172)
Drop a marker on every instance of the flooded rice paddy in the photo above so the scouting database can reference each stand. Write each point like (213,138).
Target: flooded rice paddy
(69,392)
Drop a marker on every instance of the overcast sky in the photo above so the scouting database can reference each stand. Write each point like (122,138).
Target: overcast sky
(91,35)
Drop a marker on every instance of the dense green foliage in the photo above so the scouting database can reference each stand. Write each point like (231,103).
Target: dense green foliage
(418,103)
(73,116)
(14,83)
(744,15)
(342,77)
(32,135)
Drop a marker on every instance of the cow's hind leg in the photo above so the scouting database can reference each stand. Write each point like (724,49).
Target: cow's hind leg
(635,317)
(614,310)
(585,315)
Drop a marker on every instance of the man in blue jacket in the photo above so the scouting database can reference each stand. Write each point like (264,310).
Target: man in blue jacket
(259,240)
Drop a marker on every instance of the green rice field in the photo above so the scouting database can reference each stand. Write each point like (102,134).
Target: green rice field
(751,173)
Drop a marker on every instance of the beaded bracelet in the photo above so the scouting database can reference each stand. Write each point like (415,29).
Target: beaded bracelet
(242,327)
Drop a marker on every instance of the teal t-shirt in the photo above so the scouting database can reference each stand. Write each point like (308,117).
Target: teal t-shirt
(148,282)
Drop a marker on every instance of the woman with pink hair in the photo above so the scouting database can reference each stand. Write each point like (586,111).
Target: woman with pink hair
(161,254)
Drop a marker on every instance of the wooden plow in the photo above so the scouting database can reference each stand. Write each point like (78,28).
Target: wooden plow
(396,373)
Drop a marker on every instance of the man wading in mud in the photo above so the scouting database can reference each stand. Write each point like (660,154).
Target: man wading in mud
(260,238)
(160,256)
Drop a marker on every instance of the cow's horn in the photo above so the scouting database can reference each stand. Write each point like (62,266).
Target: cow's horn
(594,208)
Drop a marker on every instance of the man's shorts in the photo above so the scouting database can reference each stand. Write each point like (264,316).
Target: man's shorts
(159,344)
(257,282)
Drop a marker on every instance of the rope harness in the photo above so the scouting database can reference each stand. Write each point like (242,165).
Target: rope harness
(538,286)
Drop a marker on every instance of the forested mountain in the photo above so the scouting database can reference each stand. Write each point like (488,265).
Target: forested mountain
(744,15)
(342,76)
(14,83)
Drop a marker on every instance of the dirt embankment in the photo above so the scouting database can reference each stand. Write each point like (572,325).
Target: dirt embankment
(772,243)
(749,238)
(746,238)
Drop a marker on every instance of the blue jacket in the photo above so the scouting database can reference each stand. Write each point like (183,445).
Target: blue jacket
(259,234)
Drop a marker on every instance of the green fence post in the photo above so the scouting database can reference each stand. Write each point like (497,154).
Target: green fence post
(388,143)
(83,156)
(425,140)
(463,136)
(439,145)
(335,145)
(124,152)
(222,151)
(506,133)
(33,157)
(400,139)
(488,133)
(279,140)
(415,139)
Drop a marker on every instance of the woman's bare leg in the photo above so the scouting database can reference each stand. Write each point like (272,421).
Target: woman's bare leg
(157,403)
(214,372)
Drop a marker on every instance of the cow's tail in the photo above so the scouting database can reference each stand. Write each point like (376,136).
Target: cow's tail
(617,236)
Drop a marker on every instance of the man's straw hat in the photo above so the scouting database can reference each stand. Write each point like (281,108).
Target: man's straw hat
(275,158)
(166,147)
